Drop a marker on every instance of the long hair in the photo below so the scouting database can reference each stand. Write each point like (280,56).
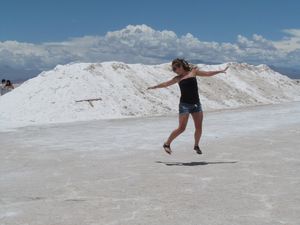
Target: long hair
(185,65)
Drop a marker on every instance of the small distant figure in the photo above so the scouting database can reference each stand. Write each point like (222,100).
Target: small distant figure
(2,88)
(9,86)
(6,86)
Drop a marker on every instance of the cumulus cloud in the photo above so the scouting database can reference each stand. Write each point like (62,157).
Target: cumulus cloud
(142,44)
(289,43)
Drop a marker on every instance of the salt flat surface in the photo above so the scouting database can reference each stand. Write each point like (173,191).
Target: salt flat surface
(115,171)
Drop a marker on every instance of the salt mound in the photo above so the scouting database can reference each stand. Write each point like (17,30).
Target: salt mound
(118,90)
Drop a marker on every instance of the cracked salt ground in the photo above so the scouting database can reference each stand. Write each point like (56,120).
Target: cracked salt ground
(115,171)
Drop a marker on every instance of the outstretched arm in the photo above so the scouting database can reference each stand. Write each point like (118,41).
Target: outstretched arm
(165,84)
(198,72)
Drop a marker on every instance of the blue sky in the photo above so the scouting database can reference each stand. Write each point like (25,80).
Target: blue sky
(40,21)
(41,34)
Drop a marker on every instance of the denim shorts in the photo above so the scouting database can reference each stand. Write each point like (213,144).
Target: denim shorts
(189,108)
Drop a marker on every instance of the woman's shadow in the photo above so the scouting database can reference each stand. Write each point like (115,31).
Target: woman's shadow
(193,163)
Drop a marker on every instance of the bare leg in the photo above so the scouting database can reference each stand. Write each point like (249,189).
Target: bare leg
(198,118)
(183,119)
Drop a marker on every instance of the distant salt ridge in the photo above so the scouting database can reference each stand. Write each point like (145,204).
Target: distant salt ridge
(119,90)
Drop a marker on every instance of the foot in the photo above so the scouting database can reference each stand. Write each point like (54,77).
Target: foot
(167,148)
(197,149)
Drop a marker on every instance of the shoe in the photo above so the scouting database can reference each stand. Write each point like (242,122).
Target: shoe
(167,148)
(197,149)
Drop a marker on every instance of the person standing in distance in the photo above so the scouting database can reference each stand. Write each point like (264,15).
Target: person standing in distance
(2,88)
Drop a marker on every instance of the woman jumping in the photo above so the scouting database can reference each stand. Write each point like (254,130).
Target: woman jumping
(189,100)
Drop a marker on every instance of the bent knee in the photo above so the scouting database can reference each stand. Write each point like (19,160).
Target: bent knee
(181,129)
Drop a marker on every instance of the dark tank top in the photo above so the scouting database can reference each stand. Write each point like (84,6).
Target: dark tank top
(189,91)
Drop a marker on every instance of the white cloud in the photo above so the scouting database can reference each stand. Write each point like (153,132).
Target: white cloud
(142,44)
(257,42)
(289,43)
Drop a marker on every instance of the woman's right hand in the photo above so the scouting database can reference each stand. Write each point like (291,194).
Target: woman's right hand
(224,71)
